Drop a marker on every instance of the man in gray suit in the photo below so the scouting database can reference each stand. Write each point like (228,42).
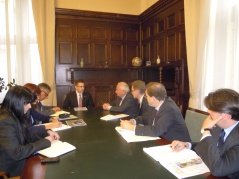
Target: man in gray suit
(124,103)
(219,145)
(164,120)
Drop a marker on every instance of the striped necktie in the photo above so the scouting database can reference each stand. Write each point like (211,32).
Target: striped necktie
(80,101)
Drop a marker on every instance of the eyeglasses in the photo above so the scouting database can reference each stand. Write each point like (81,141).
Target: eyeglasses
(46,94)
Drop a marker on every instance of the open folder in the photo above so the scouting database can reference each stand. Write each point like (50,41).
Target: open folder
(57,148)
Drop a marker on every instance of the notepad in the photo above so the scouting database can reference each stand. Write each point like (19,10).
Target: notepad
(130,136)
(111,117)
(57,148)
(80,109)
(182,164)
(63,127)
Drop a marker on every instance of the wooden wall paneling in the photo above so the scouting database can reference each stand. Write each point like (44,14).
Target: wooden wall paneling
(116,54)
(65,52)
(132,50)
(83,53)
(132,35)
(171,47)
(100,54)
(161,47)
(83,32)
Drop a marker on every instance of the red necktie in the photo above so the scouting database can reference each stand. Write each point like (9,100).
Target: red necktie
(80,101)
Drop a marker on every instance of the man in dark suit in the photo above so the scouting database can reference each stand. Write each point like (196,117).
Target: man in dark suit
(78,98)
(219,146)
(124,103)
(164,120)
(138,91)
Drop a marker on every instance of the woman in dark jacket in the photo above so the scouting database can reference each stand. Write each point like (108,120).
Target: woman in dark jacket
(17,142)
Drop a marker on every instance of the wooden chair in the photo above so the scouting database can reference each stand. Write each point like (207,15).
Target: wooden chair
(194,119)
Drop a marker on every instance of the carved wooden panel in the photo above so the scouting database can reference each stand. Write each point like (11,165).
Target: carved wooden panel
(152,52)
(83,52)
(116,55)
(144,33)
(161,25)
(64,31)
(131,52)
(171,21)
(145,52)
(117,34)
(151,30)
(99,33)
(132,35)
(161,46)
(100,53)
(83,33)
(65,53)
(171,50)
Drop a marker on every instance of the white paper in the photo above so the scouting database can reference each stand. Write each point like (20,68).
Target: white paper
(182,164)
(80,109)
(130,136)
(57,148)
(111,117)
(63,127)
(56,114)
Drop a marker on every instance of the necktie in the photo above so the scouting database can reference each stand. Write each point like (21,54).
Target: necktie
(80,101)
(121,102)
(221,139)
(155,116)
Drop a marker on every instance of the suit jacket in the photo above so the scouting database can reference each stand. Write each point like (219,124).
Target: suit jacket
(16,144)
(144,107)
(169,123)
(128,106)
(221,162)
(37,117)
(44,110)
(71,100)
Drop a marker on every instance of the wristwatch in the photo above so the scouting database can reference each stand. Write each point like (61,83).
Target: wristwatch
(206,129)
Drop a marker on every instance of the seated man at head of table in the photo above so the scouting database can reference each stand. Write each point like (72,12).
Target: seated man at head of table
(78,98)
(219,145)
(138,91)
(165,120)
(124,103)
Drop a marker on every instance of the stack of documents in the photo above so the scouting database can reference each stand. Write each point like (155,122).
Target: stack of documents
(57,148)
(130,136)
(182,164)
(111,117)
(77,122)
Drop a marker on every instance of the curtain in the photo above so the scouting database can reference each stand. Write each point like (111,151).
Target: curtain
(19,57)
(212,38)
(44,16)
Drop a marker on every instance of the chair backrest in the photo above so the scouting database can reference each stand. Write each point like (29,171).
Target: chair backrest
(194,119)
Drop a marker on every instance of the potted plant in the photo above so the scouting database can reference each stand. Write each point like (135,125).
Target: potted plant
(4,86)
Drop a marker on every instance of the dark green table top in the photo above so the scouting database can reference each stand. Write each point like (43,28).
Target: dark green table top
(102,153)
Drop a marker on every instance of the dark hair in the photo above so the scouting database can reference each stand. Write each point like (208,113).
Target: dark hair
(157,90)
(140,85)
(34,89)
(44,86)
(14,101)
(78,81)
(223,101)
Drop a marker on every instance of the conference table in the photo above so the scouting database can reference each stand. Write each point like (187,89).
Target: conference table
(101,152)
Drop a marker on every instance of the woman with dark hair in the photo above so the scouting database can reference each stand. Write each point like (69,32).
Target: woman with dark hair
(36,117)
(17,142)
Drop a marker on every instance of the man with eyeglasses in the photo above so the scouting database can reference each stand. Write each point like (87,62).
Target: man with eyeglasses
(78,98)
(45,110)
(165,120)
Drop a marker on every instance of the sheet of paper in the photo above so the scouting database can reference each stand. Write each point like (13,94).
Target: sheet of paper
(182,164)
(80,109)
(111,117)
(56,114)
(130,136)
(57,148)
(63,127)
